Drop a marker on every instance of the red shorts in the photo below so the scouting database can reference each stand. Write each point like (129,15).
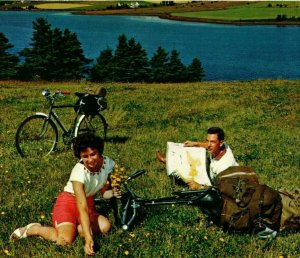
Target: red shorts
(65,210)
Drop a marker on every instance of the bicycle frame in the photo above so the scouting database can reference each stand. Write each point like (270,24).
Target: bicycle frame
(208,200)
(52,114)
(68,133)
(77,120)
(42,125)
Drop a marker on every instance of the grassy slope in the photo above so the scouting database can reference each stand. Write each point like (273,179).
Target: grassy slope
(206,11)
(262,122)
(254,11)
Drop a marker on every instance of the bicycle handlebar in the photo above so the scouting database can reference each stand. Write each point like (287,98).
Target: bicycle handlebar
(51,97)
(136,174)
(65,92)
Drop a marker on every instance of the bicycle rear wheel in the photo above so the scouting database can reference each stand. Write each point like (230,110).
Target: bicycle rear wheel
(36,136)
(95,124)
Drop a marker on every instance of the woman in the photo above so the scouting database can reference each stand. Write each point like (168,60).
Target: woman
(74,208)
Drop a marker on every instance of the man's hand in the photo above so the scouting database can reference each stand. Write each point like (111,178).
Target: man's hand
(189,144)
(195,144)
(194,186)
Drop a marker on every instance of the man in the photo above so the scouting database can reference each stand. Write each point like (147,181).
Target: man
(220,154)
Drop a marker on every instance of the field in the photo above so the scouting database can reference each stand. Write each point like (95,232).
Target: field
(84,5)
(254,11)
(262,123)
(236,12)
(57,6)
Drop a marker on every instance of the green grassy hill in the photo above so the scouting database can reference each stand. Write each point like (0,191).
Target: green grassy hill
(262,125)
(253,11)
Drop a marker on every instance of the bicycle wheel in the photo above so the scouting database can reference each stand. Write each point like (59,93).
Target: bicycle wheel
(95,124)
(36,136)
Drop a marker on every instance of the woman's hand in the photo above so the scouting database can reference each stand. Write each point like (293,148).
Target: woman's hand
(89,246)
(117,192)
(84,217)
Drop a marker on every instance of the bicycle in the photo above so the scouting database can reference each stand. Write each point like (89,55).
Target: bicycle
(208,200)
(38,135)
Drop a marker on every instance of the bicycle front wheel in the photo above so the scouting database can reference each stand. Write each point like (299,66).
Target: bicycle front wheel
(95,124)
(36,136)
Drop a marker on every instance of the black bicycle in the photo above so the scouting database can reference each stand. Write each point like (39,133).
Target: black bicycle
(208,200)
(38,135)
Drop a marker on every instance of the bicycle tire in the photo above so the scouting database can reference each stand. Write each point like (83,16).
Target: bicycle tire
(95,124)
(36,136)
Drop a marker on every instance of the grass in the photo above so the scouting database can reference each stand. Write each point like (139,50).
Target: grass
(79,5)
(57,6)
(202,11)
(253,11)
(262,123)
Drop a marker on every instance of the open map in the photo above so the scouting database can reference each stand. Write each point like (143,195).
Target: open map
(188,163)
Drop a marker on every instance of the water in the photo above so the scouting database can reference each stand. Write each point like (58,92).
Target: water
(227,52)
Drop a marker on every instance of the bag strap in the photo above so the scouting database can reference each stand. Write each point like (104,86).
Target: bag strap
(208,161)
(261,203)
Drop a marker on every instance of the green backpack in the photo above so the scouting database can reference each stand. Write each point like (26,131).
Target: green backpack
(247,204)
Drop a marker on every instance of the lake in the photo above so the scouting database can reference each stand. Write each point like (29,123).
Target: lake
(227,52)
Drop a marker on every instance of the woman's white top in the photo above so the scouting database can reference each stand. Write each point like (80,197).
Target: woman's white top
(93,181)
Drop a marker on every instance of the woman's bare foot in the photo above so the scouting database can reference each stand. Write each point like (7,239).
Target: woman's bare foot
(161,157)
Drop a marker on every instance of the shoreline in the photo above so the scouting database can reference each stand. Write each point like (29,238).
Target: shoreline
(168,16)
(238,23)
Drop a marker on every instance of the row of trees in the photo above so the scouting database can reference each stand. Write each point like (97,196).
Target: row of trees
(56,55)
(129,63)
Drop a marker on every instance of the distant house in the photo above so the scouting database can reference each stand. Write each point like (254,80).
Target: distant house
(134,5)
(167,3)
(130,5)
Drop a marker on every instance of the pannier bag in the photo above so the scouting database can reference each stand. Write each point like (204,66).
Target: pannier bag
(247,205)
(290,218)
(89,104)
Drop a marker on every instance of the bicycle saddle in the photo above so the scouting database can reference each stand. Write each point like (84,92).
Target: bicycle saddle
(81,94)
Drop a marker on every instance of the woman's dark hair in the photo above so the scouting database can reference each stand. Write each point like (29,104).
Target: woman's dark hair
(218,131)
(86,140)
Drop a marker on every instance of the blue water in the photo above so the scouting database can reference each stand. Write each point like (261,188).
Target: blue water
(227,52)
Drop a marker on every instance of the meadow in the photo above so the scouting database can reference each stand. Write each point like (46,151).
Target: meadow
(261,120)
(254,11)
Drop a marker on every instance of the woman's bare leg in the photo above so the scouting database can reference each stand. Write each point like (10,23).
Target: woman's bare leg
(62,235)
(103,224)
(99,224)
(66,234)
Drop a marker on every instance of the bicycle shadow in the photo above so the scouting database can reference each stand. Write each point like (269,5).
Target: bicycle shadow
(117,139)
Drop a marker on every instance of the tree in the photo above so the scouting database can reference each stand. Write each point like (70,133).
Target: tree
(158,65)
(139,66)
(176,69)
(130,62)
(103,69)
(54,55)
(74,62)
(195,71)
(121,60)
(8,62)
(36,57)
